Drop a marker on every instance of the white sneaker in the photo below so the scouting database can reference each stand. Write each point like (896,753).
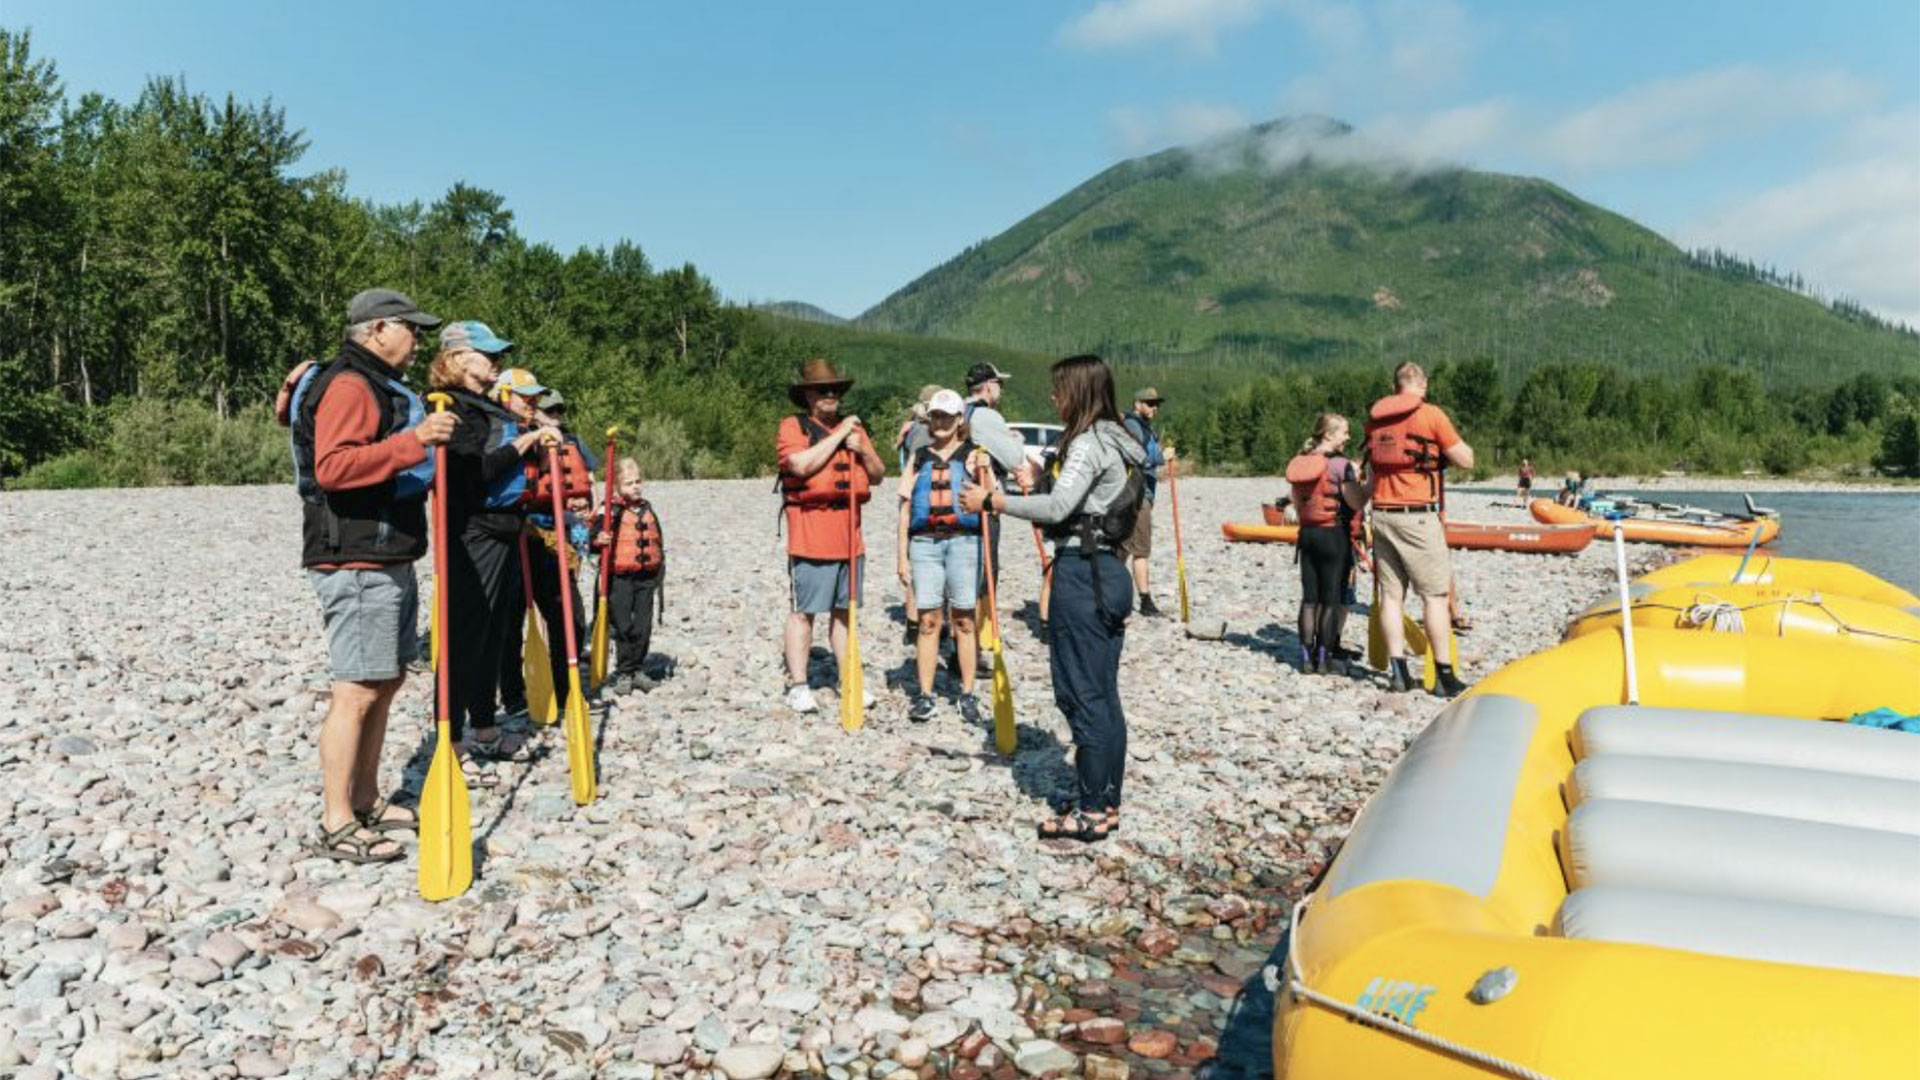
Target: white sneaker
(800,699)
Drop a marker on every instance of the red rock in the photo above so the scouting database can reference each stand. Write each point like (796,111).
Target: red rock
(1006,1071)
(965,1070)
(1227,908)
(1219,984)
(1104,1030)
(1157,941)
(1153,1044)
(971,1044)
(1203,1049)
(906,990)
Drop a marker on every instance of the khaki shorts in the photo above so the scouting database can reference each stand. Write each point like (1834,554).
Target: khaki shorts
(1411,549)
(1140,544)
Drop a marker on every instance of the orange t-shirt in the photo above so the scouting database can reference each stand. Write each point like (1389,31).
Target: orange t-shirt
(1406,487)
(815,532)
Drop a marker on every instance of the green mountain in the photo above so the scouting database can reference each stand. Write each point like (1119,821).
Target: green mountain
(801,310)
(1279,246)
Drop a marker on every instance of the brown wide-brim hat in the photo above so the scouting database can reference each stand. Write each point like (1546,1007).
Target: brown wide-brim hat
(817,374)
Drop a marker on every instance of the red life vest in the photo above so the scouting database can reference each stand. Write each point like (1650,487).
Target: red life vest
(1316,489)
(575,481)
(637,548)
(1399,440)
(828,486)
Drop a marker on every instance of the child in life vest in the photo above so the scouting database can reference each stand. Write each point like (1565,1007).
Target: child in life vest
(633,552)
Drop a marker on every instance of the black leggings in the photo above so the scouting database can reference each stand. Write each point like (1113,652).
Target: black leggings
(1326,558)
(483,573)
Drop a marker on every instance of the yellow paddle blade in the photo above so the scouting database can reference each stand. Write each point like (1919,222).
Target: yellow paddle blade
(542,706)
(579,732)
(853,684)
(1185,612)
(1418,645)
(1376,634)
(597,652)
(1006,735)
(446,824)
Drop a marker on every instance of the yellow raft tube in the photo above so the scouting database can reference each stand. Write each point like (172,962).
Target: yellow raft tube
(1767,610)
(1735,891)
(1763,569)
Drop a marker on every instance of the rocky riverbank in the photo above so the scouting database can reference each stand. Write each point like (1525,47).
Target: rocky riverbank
(754,892)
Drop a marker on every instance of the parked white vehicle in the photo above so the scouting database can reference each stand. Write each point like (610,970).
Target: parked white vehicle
(1039,438)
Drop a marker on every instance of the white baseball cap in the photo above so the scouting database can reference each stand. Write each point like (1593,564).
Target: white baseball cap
(946,401)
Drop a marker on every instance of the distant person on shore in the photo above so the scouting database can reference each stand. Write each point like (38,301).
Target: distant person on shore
(1139,546)
(1085,507)
(1573,489)
(991,433)
(939,552)
(486,477)
(1410,443)
(1327,492)
(634,552)
(826,462)
(1525,484)
(363,468)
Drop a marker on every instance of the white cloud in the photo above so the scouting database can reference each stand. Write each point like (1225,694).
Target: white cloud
(1449,135)
(1140,131)
(1674,121)
(1196,23)
(1429,43)
(1850,229)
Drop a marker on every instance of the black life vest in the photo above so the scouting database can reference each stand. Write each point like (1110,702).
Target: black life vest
(381,523)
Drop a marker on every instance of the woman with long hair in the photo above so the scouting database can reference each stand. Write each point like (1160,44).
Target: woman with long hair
(1326,495)
(1086,503)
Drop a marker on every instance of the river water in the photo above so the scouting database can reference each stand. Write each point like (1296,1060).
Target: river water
(1877,531)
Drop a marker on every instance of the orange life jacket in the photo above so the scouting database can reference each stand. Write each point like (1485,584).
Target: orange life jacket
(1316,490)
(1398,443)
(575,481)
(637,548)
(829,485)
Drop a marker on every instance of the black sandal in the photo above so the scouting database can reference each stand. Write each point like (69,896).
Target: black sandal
(375,818)
(491,749)
(346,844)
(1084,827)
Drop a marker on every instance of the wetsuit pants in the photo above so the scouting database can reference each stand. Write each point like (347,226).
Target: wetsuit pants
(630,600)
(483,571)
(1091,600)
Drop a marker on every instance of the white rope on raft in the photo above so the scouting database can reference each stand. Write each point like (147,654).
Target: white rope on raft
(1725,616)
(1297,984)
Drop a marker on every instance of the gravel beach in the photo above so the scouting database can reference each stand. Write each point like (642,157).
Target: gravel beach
(754,893)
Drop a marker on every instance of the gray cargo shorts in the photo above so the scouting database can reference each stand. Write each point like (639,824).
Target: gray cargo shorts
(369,617)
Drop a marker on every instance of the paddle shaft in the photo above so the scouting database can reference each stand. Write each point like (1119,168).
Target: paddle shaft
(1626,610)
(984,479)
(555,475)
(443,683)
(606,519)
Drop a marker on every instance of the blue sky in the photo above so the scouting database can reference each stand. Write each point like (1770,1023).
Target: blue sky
(833,151)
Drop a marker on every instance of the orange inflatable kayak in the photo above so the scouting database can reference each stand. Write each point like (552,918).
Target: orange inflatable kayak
(1472,535)
(1647,530)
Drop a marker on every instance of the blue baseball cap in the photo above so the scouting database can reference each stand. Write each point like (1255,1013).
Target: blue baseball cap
(475,335)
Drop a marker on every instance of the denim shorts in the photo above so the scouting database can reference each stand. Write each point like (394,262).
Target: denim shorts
(946,570)
(369,616)
(820,585)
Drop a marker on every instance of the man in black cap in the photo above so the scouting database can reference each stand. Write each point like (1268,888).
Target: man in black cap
(990,432)
(363,467)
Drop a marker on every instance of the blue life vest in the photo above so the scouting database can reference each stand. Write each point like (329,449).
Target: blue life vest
(509,489)
(411,483)
(932,510)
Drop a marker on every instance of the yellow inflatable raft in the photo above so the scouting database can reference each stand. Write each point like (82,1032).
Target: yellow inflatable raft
(1550,883)
(1764,569)
(1767,610)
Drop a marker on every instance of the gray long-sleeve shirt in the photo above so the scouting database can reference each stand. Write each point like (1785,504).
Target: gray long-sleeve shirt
(991,433)
(1092,476)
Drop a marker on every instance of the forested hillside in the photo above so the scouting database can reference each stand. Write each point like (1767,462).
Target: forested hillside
(1249,252)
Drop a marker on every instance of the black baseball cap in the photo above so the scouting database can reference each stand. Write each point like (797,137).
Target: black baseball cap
(371,304)
(984,373)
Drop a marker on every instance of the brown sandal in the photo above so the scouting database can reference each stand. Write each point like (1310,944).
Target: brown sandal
(352,844)
(375,818)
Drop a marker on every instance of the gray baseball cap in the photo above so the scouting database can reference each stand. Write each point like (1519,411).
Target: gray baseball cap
(371,304)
